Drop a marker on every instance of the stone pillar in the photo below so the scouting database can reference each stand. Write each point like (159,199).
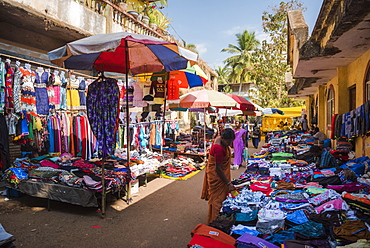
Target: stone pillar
(322,109)
(108,13)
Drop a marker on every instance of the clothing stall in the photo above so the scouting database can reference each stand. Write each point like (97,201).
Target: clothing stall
(48,111)
(44,108)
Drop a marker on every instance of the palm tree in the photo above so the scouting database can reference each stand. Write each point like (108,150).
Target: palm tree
(241,61)
(190,47)
(223,77)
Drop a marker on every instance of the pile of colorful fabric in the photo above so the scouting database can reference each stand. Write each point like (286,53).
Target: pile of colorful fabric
(180,168)
(68,171)
(287,201)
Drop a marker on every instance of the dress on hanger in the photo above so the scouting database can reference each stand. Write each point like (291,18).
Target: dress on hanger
(17,79)
(56,86)
(50,89)
(173,87)
(81,92)
(158,90)
(42,98)
(28,95)
(63,91)
(9,101)
(2,86)
(102,104)
(138,96)
(73,98)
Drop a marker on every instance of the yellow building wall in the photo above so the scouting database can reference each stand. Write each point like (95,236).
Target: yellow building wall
(356,73)
(353,74)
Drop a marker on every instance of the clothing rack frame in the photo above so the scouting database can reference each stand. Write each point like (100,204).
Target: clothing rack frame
(45,65)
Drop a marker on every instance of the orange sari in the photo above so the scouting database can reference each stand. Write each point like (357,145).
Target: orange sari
(214,189)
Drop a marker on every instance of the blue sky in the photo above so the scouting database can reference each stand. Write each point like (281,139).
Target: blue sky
(212,24)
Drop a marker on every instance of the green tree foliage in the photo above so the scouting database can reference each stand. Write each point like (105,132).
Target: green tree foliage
(240,62)
(190,46)
(270,59)
(223,78)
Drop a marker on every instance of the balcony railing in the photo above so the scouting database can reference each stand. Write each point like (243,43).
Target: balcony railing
(127,21)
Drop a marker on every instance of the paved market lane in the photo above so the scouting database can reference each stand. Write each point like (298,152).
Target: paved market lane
(164,218)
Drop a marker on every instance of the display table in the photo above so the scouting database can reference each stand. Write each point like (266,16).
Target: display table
(58,192)
(192,155)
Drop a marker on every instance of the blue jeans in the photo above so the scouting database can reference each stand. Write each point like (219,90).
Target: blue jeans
(255,142)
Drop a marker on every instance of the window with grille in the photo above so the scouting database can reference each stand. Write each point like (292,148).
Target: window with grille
(330,106)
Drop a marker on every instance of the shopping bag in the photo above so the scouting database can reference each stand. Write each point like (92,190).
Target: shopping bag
(245,154)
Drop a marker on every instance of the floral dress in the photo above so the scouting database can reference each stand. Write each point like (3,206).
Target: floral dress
(102,104)
(28,97)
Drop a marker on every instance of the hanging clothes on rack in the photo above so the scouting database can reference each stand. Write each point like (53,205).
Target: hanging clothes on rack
(2,86)
(65,132)
(28,95)
(82,93)
(50,89)
(63,91)
(9,101)
(73,98)
(145,86)
(158,134)
(173,89)
(130,90)
(42,97)
(138,95)
(4,144)
(102,111)
(56,85)
(17,79)
(157,89)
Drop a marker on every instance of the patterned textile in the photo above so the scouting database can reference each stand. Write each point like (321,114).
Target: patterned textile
(17,89)
(102,111)
(28,95)
(2,86)
(9,103)
(324,197)
(327,160)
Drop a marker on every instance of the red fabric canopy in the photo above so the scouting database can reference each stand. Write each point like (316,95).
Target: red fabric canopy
(244,104)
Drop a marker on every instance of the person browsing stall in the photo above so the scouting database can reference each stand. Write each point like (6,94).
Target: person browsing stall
(220,127)
(324,158)
(256,135)
(304,123)
(217,184)
(318,135)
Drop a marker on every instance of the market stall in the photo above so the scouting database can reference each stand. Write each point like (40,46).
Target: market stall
(284,198)
(72,122)
(271,121)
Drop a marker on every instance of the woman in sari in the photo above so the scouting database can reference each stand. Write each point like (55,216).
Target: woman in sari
(217,177)
(239,143)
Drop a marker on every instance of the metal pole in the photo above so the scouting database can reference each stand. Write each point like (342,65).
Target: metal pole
(103,189)
(127,117)
(204,134)
(164,109)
